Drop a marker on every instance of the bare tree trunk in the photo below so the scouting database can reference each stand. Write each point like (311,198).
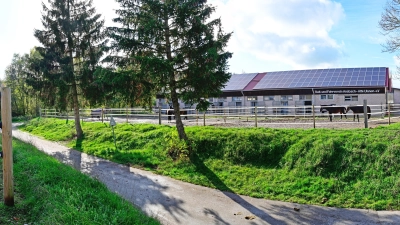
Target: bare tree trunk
(78,128)
(172,83)
(178,119)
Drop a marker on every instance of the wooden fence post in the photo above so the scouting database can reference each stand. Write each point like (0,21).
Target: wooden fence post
(365,113)
(102,115)
(159,115)
(197,117)
(389,112)
(126,114)
(8,179)
(313,114)
(204,118)
(224,114)
(255,114)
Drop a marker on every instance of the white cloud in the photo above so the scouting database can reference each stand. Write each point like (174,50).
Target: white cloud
(294,32)
(20,19)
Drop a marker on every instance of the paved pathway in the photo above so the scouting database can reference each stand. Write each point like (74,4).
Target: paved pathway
(176,202)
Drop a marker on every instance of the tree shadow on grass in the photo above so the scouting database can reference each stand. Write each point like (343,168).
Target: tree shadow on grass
(220,185)
(141,190)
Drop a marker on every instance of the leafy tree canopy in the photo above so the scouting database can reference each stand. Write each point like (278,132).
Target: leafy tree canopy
(173,47)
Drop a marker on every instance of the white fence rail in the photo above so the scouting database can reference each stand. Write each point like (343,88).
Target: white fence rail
(310,114)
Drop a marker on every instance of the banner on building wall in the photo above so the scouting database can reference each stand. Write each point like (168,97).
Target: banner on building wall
(351,91)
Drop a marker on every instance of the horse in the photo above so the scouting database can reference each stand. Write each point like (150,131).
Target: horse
(357,110)
(171,112)
(334,109)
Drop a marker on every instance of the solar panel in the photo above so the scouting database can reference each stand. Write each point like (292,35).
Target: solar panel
(239,81)
(344,77)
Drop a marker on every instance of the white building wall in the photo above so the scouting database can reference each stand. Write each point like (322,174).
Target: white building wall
(396,96)
(338,99)
(294,100)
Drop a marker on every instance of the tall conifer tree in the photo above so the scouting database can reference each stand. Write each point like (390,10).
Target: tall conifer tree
(174,45)
(72,43)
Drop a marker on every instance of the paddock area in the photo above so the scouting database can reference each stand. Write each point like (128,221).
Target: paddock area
(274,117)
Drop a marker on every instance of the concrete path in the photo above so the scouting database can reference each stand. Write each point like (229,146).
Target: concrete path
(176,202)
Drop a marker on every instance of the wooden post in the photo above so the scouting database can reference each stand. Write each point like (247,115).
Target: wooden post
(8,180)
(102,115)
(126,114)
(204,118)
(313,114)
(389,112)
(255,114)
(224,114)
(159,115)
(365,114)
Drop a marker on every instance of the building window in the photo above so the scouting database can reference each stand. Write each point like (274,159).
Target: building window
(211,99)
(252,98)
(223,99)
(324,97)
(236,99)
(351,98)
(269,98)
(305,97)
(286,97)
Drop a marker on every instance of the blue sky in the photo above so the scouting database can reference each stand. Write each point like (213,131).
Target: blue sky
(269,35)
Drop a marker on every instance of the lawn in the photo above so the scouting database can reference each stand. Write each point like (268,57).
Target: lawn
(49,192)
(357,168)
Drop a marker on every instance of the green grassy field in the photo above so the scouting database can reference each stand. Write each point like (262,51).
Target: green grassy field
(48,192)
(358,168)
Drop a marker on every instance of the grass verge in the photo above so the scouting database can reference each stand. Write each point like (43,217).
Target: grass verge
(48,192)
(358,168)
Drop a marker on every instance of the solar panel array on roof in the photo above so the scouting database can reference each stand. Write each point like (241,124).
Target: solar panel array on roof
(342,77)
(239,81)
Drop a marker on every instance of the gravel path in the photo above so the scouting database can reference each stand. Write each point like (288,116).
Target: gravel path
(176,202)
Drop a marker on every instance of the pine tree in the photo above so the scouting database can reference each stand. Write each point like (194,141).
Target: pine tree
(175,46)
(72,45)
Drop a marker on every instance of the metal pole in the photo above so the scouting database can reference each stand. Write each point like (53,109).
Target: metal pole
(8,178)
(365,114)
(313,114)
(115,142)
(389,112)
(159,115)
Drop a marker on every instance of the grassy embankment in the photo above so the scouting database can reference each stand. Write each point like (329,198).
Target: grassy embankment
(357,168)
(48,192)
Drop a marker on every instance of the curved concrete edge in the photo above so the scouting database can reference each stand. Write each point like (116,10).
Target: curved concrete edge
(176,202)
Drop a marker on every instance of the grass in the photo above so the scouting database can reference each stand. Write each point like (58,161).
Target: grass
(48,192)
(357,168)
